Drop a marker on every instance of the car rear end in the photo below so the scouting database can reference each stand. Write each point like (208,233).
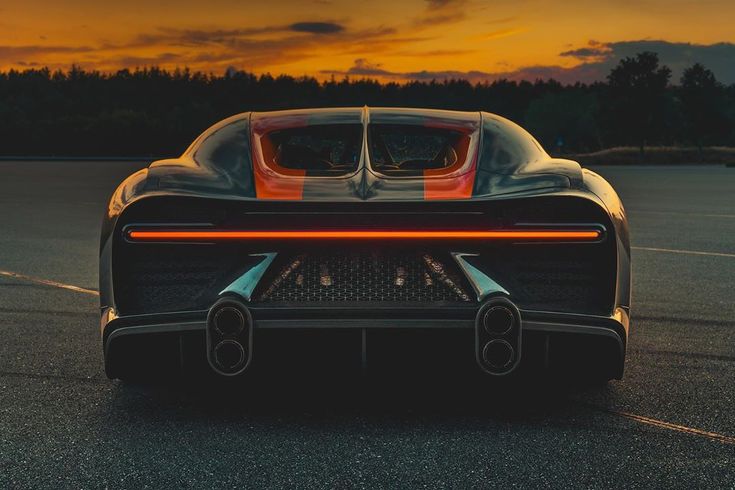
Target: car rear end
(386,240)
(385,283)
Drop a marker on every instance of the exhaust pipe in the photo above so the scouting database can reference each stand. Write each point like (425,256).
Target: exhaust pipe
(498,320)
(498,336)
(228,321)
(229,354)
(229,337)
(498,354)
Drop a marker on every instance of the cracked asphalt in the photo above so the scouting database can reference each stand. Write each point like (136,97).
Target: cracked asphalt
(64,424)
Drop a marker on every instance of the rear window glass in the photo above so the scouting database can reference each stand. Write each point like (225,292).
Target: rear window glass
(399,149)
(328,149)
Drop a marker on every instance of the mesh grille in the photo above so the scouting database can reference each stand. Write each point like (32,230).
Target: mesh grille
(553,278)
(365,277)
(160,279)
(567,284)
(165,286)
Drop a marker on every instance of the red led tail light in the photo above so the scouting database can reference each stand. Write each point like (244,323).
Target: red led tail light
(150,235)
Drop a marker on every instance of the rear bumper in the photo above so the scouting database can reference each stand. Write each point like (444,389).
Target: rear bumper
(575,337)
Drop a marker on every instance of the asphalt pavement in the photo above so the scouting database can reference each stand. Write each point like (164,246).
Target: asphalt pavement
(669,423)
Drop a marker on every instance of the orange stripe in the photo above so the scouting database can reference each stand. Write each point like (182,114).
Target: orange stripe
(459,187)
(269,187)
(271,180)
(441,184)
(169,235)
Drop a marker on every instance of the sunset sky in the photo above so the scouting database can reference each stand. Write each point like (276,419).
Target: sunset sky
(389,40)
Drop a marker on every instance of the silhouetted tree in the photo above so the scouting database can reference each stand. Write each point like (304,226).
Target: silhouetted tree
(701,97)
(564,120)
(637,96)
(152,111)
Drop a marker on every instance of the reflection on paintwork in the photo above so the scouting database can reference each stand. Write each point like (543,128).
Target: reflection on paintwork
(221,163)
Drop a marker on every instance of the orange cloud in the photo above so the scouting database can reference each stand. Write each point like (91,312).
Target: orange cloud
(468,38)
(500,33)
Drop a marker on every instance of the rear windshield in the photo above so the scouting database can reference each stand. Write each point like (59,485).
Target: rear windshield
(327,149)
(405,150)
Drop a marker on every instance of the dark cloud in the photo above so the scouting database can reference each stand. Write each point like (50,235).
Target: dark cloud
(198,37)
(34,56)
(15,52)
(585,72)
(597,61)
(600,58)
(584,53)
(439,12)
(317,27)
(437,4)
(248,49)
(251,49)
(594,49)
(363,67)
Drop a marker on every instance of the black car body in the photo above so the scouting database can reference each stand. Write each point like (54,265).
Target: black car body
(371,235)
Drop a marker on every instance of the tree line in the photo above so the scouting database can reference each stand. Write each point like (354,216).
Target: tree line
(152,111)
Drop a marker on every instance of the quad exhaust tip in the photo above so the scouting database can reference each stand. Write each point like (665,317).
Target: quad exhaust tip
(229,337)
(229,354)
(498,329)
(498,353)
(498,320)
(228,321)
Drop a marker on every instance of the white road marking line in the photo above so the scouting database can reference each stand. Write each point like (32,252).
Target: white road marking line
(689,252)
(48,282)
(675,427)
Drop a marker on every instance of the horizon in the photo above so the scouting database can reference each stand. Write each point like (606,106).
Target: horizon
(418,40)
(231,71)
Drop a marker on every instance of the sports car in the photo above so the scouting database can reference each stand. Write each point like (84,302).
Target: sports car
(380,239)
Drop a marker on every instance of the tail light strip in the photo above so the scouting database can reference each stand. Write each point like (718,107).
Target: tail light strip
(172,235)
